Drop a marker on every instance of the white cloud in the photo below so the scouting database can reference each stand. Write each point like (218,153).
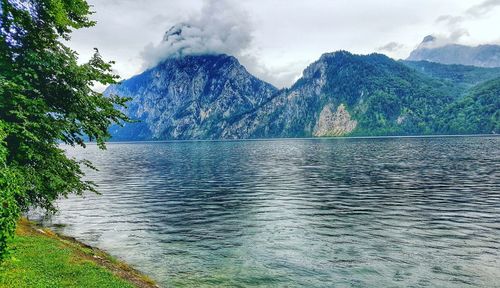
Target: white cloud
(483,8)
(391,47)
(455,26)
(279,38)
(221,27)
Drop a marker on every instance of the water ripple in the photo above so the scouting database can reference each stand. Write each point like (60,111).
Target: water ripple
(395,212)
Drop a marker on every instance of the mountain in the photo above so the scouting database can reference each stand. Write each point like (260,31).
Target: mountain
(189,97)
(481,56)
(477,112)
(214,97)
(463,75)
(346,94)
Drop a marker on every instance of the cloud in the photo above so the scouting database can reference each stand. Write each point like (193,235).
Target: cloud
(450,20)
(391,47)
(285,35)
(483,8)
(440,40)
(281,76)
(473,13)
(454,24)
(221,27)
(457,34)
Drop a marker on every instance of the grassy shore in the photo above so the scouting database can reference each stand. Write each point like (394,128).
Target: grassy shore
(41,258)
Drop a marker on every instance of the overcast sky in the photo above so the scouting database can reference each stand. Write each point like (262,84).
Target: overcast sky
(277,39)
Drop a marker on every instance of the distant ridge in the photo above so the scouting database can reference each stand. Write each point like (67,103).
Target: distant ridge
(462,75)
(480,56)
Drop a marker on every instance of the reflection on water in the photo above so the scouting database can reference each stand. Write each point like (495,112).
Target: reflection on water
(420,212)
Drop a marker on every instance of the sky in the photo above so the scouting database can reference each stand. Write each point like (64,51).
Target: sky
(276,39)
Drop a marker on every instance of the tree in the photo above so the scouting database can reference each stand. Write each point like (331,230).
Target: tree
(47,98)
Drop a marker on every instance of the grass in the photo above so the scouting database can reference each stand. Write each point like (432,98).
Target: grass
(41,258)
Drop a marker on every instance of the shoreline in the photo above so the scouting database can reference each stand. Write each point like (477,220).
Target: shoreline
(82,257)
(429,136)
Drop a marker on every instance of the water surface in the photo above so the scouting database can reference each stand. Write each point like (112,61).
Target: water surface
(383,212)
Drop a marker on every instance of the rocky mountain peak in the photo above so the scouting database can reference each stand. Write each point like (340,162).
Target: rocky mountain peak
(317,70)
(214,97)
(428,39)
(190,97)
(434,50)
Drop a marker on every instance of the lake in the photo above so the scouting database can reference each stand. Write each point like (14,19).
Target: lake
(362,212)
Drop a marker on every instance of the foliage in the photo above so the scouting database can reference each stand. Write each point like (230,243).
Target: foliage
(461,75)
(388,98)
(383,95)
(11,189)
(47,98)
(476,113)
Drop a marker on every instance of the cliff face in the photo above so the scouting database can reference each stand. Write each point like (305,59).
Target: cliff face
(333,123)
(346,94)
(214,97)
(292,112)
(191,97)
